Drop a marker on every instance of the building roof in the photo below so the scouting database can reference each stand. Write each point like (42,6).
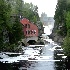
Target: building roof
(24,21)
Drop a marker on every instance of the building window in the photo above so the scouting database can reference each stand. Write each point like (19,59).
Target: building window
(28,26)
(31,31)
(34,31)
(28,31)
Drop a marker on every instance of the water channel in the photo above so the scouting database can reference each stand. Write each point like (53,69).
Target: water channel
(48,61)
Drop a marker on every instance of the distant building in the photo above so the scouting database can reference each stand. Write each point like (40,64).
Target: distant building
(46,20)
(29,28)
(43,19)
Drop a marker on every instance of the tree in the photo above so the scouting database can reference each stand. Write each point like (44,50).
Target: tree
(16,33)
(4,20)
(11,30)
(62,21)
(66,44)
(10,12)
(59,17)
(68,20)
(27,10)
(30,12)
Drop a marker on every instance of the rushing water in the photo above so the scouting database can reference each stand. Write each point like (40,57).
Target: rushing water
(48,60)
(46,64)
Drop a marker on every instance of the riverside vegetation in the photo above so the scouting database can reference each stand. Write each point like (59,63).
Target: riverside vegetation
(62,24)
(10,27)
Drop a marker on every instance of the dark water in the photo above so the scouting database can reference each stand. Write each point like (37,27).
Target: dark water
(48,62)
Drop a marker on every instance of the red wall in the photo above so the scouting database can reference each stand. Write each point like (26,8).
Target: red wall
(32,30)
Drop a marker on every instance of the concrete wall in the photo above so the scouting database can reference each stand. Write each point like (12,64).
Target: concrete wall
(25,40)
(31,38)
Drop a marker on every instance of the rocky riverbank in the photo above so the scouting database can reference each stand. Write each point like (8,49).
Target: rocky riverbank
(57,38)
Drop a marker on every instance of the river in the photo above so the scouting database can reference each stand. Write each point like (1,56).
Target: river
(46,61)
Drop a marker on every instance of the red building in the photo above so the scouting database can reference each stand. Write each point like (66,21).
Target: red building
(29,28)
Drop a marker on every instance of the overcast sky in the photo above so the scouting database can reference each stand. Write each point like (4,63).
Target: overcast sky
(47,6)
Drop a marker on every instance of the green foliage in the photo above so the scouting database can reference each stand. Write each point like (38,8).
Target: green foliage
(31,12)
(66,46)
(59,32)
(16,33)
(14,29)
(61,15)
(26,10)
(60,18)
(68,20)
(4,19)
(10,12)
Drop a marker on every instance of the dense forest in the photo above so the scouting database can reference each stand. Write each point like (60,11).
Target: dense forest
(62,24)
(11,11)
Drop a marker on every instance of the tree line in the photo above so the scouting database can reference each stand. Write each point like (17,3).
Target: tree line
(62,23)
(11,11)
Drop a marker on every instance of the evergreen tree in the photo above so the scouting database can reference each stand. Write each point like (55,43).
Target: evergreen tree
(66,44)
(4,20)
(60,20)
(9,29)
